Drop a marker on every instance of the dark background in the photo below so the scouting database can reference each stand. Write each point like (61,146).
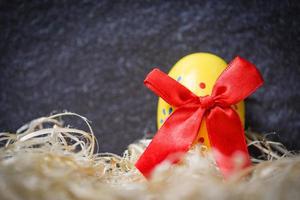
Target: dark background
(91,58)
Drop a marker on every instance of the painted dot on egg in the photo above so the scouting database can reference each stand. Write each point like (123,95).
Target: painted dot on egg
(164,111)
(179,78)
(161,121)
(202,85)
(201,140)
(170,110)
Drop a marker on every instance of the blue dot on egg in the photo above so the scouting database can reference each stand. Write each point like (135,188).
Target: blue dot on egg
(164,111)
(170,110)
(179,78)
(161,121)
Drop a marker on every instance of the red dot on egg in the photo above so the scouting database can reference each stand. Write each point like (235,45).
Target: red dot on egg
(201,140)
(202,85)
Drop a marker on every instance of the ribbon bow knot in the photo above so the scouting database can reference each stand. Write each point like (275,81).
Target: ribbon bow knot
(225,130)
(206,102)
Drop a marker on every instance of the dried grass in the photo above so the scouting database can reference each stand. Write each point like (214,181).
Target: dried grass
(46,160)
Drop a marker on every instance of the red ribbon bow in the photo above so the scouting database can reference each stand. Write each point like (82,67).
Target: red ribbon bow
(225,130)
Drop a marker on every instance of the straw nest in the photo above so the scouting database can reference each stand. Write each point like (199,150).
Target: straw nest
(46,160)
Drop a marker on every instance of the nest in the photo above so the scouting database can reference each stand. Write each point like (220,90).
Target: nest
(46,160)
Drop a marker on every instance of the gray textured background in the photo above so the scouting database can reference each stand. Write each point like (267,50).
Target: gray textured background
(91,58)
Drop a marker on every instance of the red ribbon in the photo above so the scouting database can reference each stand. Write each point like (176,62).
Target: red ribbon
(225,130)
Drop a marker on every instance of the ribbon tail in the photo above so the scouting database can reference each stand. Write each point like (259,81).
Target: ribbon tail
(172,140)
(227,138)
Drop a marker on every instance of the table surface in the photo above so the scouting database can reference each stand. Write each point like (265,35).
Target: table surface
(91,58)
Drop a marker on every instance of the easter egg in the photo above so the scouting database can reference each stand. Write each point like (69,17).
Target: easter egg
(198,72)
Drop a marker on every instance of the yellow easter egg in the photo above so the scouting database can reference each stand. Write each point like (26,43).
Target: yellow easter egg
(198,72)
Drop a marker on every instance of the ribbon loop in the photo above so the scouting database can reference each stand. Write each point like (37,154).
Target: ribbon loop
(172,92)
(237,82)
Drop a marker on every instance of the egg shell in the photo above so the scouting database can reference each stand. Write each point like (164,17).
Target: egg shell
(198,72)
